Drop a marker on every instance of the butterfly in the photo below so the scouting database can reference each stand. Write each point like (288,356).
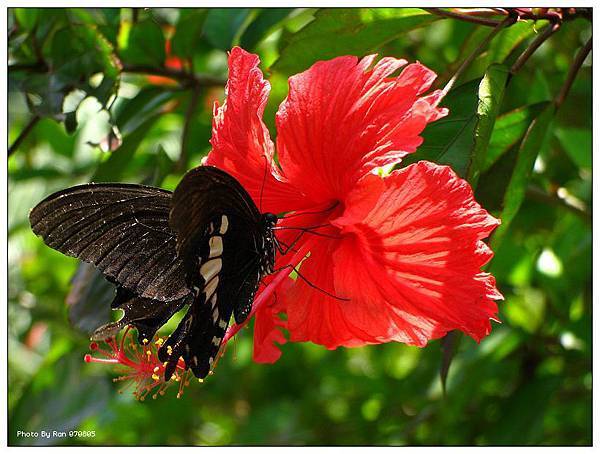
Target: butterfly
(205,245)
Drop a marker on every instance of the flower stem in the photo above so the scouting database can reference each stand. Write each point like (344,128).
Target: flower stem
(579,59)
(467,62)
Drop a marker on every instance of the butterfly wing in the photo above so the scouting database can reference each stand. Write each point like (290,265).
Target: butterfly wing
(145,314)
(219,239)
(204,196)
(202,245)
(123,229)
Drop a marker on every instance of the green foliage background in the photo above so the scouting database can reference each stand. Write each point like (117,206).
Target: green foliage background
(529,382)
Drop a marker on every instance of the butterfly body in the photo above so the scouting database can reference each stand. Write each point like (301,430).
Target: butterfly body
(206,245)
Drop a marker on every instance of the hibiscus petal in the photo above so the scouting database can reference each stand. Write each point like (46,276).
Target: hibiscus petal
(240,140)
(425,233)
(410,262)
(267,332)
(314,316)
(342,118)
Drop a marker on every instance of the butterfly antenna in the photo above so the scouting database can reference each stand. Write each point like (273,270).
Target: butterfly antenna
(302,213)
(310,230)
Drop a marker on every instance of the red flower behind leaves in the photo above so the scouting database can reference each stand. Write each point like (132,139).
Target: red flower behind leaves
(405,249)
(171,62)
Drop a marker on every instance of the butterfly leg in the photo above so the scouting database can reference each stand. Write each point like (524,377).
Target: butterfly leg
(310,284)
(289,248)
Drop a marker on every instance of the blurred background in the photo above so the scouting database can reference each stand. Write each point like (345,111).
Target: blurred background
(127,95)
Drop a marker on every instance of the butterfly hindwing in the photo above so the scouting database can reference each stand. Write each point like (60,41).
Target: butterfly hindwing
(146,315)
(203,196)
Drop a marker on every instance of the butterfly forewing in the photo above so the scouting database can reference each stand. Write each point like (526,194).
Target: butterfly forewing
(122,229)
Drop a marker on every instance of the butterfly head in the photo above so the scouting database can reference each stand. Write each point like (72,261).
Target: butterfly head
(269,219)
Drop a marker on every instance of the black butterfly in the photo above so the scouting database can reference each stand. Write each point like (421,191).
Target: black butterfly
(205,245)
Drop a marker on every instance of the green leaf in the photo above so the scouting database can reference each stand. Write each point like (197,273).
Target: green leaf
(508,130)
(490,95)
(131,113)
(577,143)
(500,50)
(522,421)
(27,18)
(45,94)
(503,44)
(109,19)
(258,28)
(525,309)
(538,88)
(160,166)
(449,141)
(64,143)
(344,31)
(76,52)
(27,45)
(106,19)
(534,140)
(188,33)
(461,139)
(47,173)
(145,44)
(222,26)
(112,169)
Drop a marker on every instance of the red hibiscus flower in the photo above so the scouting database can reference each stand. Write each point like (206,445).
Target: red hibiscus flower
(402,253)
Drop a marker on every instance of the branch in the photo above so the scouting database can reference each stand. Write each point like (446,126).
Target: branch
(537,42)
(202,80)
(463,17)
(481,12)
(38,67)
(537,194)
(19,140)
(465,64)
(552,14)
(579,59)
